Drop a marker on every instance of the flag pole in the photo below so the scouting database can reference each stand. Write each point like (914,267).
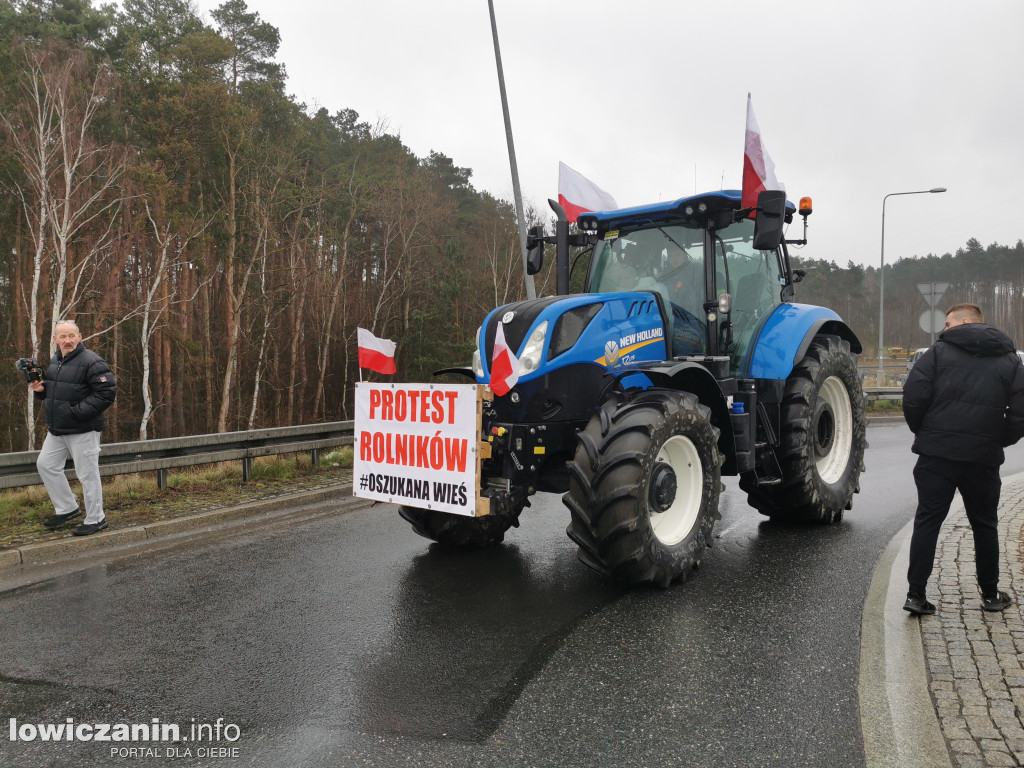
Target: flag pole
(531,292)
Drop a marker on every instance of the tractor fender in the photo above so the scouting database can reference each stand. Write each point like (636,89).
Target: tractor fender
(788,332)
(698,380)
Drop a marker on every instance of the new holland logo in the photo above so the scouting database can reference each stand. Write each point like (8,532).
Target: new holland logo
(507,317)
(611,353)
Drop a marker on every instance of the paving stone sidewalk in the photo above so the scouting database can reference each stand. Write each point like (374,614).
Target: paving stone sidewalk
(975,659)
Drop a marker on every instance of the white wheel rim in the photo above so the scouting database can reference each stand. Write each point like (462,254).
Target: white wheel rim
(675,523)
(832,466)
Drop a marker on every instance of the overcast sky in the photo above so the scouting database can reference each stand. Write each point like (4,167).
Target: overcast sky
(647,99)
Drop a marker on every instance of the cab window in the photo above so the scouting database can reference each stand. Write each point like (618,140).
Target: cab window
(754,279)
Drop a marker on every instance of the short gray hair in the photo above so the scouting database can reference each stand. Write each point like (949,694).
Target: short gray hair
(66,322)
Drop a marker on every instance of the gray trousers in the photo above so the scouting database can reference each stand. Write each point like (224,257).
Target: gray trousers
(84,450)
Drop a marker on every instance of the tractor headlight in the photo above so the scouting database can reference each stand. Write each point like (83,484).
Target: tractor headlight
(478,366)
(530,359)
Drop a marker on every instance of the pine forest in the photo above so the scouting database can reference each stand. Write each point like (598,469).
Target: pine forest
(219,243)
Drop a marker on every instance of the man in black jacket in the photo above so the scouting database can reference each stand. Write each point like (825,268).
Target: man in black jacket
(964,402)
(77,388)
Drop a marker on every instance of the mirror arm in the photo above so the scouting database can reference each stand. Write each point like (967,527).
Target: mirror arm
(802,241)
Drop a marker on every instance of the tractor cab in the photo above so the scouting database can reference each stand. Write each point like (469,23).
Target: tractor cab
(715,287)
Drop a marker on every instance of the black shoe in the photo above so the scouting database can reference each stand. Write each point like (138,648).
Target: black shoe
(917,605)
(58,520)
(996,602)
(89,528)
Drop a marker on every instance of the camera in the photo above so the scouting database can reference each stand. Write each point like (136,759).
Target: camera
(30,368)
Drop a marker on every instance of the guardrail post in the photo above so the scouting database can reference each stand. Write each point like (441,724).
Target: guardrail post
(161,479)
(314,456)
(246,469)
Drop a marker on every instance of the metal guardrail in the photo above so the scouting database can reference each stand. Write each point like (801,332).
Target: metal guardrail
(19,469)
(882,393)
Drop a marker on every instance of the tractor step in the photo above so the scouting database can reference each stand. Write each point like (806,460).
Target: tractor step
(769,462)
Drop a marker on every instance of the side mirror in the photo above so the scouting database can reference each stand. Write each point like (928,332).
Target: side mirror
(534,249)
(771,217)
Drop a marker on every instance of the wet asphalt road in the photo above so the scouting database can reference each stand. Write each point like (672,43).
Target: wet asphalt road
(348,640)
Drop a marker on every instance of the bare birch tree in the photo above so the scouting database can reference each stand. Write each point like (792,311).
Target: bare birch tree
(356,193)
(153,308)
(86,193)
(70,182)
(32,132)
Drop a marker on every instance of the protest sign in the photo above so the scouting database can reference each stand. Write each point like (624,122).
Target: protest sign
(417,444)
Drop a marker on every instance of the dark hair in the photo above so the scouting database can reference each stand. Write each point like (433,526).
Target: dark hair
(971,311)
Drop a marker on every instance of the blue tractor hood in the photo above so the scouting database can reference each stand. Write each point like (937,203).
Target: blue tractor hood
(606,331)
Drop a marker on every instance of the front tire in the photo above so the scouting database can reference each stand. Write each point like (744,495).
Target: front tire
(644,487)
(822,442)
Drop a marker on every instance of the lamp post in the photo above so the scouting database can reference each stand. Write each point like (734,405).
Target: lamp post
(881,277)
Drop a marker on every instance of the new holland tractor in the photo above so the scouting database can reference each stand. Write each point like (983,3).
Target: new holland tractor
(685,360)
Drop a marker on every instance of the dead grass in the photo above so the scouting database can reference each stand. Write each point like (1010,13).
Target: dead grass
(136,499)
(884,408)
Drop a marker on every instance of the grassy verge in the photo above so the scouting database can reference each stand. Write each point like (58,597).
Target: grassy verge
(885,408)
(135,499)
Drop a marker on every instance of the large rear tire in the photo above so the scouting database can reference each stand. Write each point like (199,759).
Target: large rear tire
(459,530)
(822,442)
(644,487)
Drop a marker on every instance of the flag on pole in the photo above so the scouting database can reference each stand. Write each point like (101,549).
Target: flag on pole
(577,194)
(376,354)
(758,168)
(504,364)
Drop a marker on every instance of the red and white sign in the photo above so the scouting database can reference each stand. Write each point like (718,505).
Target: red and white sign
(504,364)
(415,444)
(376,354)
(758,168)
(577,194)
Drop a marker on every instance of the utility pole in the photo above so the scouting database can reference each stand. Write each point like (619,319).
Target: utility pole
(531,292)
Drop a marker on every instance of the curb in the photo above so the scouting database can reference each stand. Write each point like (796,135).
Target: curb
(71,547)
(899,723)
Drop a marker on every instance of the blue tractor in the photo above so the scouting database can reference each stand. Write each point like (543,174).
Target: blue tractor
(686,359)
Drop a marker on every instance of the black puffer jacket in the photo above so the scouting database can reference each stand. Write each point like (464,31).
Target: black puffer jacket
(964,399)
(78,389)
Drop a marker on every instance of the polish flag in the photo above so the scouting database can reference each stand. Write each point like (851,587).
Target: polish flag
(758,168)
(376,354)
(579,195)
(504,364)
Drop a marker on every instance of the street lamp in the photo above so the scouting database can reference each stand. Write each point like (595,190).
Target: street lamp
(881,277)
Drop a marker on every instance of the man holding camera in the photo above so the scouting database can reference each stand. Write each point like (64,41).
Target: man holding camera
(77,387)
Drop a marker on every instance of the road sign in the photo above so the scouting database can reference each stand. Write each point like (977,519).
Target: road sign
(932,292)
(932,320)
